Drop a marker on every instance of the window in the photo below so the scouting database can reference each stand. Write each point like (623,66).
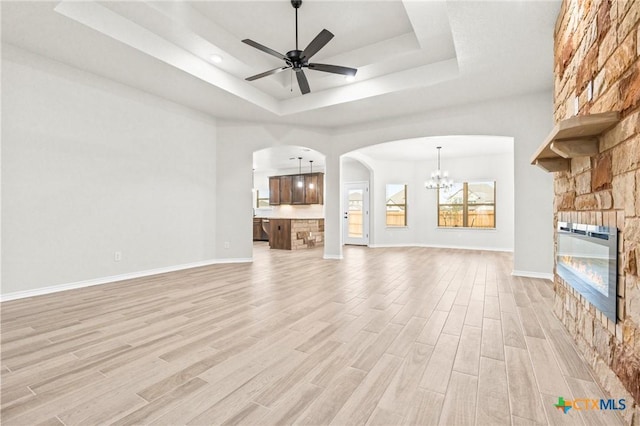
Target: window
(396,205)
(468,205)
(262,199)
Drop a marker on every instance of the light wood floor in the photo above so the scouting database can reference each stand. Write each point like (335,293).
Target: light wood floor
(386,336)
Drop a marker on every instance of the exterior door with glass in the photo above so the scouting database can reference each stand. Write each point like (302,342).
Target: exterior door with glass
(356,213)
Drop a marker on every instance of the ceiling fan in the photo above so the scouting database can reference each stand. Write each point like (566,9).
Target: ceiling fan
(299,59)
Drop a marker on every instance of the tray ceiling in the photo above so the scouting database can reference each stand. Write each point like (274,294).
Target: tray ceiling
(411,55)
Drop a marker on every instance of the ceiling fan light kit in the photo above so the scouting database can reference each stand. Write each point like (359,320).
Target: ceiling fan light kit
(298,59)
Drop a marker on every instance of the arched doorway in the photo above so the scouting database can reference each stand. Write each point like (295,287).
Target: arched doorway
(288,198)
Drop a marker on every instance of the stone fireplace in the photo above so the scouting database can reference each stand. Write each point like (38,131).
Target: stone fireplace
(587,260)
(597,71)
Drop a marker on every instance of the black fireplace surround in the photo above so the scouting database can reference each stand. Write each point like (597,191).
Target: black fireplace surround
(587,259)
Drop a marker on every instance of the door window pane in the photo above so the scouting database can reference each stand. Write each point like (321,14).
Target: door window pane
(356,224)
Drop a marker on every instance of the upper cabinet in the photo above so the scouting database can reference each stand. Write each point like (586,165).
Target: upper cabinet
(314,188)
(298,189)
(305,188)
(286,183)
(274,190)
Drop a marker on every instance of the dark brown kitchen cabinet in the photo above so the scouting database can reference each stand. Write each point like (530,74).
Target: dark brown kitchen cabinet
(314,188)
(280,235)
(274,190)
(257,229)
(261,228)
(285,189)
(307,188)
(298,189)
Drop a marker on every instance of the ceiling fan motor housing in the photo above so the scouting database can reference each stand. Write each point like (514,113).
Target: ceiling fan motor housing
(295,60)
(296,3)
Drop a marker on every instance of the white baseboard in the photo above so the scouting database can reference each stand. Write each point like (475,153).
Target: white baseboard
(333,257)
(531,274)
(508,250)
(114,278)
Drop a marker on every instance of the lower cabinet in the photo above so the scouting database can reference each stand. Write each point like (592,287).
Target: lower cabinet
(280,235)
(296,234)
(260,229)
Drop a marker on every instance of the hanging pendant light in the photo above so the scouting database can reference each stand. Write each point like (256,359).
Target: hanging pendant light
(311,172)
(300,182)
(439,179)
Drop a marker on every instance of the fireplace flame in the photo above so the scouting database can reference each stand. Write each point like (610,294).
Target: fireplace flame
(583,269)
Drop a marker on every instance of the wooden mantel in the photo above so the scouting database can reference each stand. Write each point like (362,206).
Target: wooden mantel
(574,137)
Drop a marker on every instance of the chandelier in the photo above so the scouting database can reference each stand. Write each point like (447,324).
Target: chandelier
(439,179)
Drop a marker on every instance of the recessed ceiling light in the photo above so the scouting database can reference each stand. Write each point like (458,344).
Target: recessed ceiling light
(215,58)
(350,78)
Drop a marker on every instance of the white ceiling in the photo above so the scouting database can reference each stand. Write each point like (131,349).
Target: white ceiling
(412,56)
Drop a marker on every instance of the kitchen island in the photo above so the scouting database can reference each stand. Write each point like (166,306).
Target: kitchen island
(296,233)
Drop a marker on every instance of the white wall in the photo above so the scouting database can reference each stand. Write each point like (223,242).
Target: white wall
(527,119)
(498,168)
(91,167)
(421,229)
(354,171)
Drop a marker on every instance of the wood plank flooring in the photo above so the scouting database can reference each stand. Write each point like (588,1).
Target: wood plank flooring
(385,336)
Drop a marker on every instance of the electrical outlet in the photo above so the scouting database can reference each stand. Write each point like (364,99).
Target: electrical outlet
(117,256)
(226,244)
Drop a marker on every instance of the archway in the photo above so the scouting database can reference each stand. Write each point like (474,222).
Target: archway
(288,198)
(413,219)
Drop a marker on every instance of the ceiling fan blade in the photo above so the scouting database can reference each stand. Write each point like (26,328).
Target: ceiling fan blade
(336,69)
(302,82)
(265,49)
(267,73)
(316,44)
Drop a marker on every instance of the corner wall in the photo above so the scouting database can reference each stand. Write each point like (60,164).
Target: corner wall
(599,41)
(91,167)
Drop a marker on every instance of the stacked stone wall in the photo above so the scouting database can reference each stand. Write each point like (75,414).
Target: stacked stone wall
(597,61)
(307,233)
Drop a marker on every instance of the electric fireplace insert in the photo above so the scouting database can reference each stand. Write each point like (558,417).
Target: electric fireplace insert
(586,259)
